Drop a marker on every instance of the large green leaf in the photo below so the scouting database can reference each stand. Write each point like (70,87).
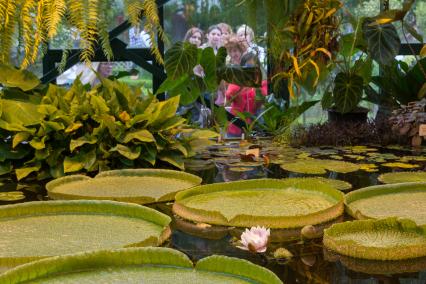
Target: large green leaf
(208,62)
(134,185)
(264,202)
(347,92)
(382,40)
(128,152)
(23,79)
(20,113)
(142,135)
(24,172)
(385,239)
(140,265)
(63,227)
(74,144)
(404,200)
(242,76)
(180,59)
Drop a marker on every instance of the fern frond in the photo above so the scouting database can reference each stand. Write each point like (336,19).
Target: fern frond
(56,12)
(134,9)
(40,31)
(103,30)
(90,33)
(8,29)
(153,26)
(28,9)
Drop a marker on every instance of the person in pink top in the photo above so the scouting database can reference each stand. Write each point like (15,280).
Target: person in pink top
(244,98)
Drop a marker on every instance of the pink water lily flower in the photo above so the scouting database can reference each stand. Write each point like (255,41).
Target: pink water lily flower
(255,239)
(199,71)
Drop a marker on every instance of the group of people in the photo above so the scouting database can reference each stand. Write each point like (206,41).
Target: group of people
(242,51)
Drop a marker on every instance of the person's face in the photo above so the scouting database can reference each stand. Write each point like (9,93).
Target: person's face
(195,39)
(225,35)
(214,37)
(235,55)
(243,35)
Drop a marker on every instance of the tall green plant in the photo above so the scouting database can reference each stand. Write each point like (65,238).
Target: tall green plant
(83,129)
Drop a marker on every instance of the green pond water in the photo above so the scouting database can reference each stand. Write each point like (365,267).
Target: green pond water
(311,262)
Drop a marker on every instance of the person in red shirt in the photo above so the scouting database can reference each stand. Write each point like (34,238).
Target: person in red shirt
(244,98)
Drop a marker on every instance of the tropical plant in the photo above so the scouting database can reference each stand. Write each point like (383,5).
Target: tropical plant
(34,23)
(54,131)
(305,43)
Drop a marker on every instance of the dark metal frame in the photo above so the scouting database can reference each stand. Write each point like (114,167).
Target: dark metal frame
(140,56)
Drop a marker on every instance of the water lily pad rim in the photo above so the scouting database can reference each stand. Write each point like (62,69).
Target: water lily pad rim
(242,220)
(52,185)
(224,265)
(354,249)
(375,190)
(256,184)
(95,207)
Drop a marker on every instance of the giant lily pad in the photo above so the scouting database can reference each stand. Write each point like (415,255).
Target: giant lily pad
(319,166)
(265,202)
(35,230)
(406,200)
(386,239)
(403,177)
(140,186)
(139,265)
(313,181)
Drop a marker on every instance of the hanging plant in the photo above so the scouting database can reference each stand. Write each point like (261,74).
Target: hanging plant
(38,22)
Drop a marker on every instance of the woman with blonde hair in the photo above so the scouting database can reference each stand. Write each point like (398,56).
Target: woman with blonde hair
(245,33)
(195,36)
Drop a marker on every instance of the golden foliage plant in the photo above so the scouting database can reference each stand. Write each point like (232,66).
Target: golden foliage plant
(35,22)
(313,29)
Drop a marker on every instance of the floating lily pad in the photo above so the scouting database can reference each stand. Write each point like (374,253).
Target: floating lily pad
(400,165)
(319,166)
(313,181)
(403,177)
(11,196)
(386,239)
(140,186)
(139,265)
(371,168)
(263,202)
(34,230)
(405,200)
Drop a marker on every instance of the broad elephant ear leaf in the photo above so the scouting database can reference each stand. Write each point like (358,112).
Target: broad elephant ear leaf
(383,41)
(180,59)
(22,79)
(347,92)
(242,76)
(209,64)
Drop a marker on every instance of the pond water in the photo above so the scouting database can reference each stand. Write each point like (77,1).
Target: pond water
(311,263)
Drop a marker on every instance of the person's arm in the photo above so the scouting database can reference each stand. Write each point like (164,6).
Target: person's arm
(264,88)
